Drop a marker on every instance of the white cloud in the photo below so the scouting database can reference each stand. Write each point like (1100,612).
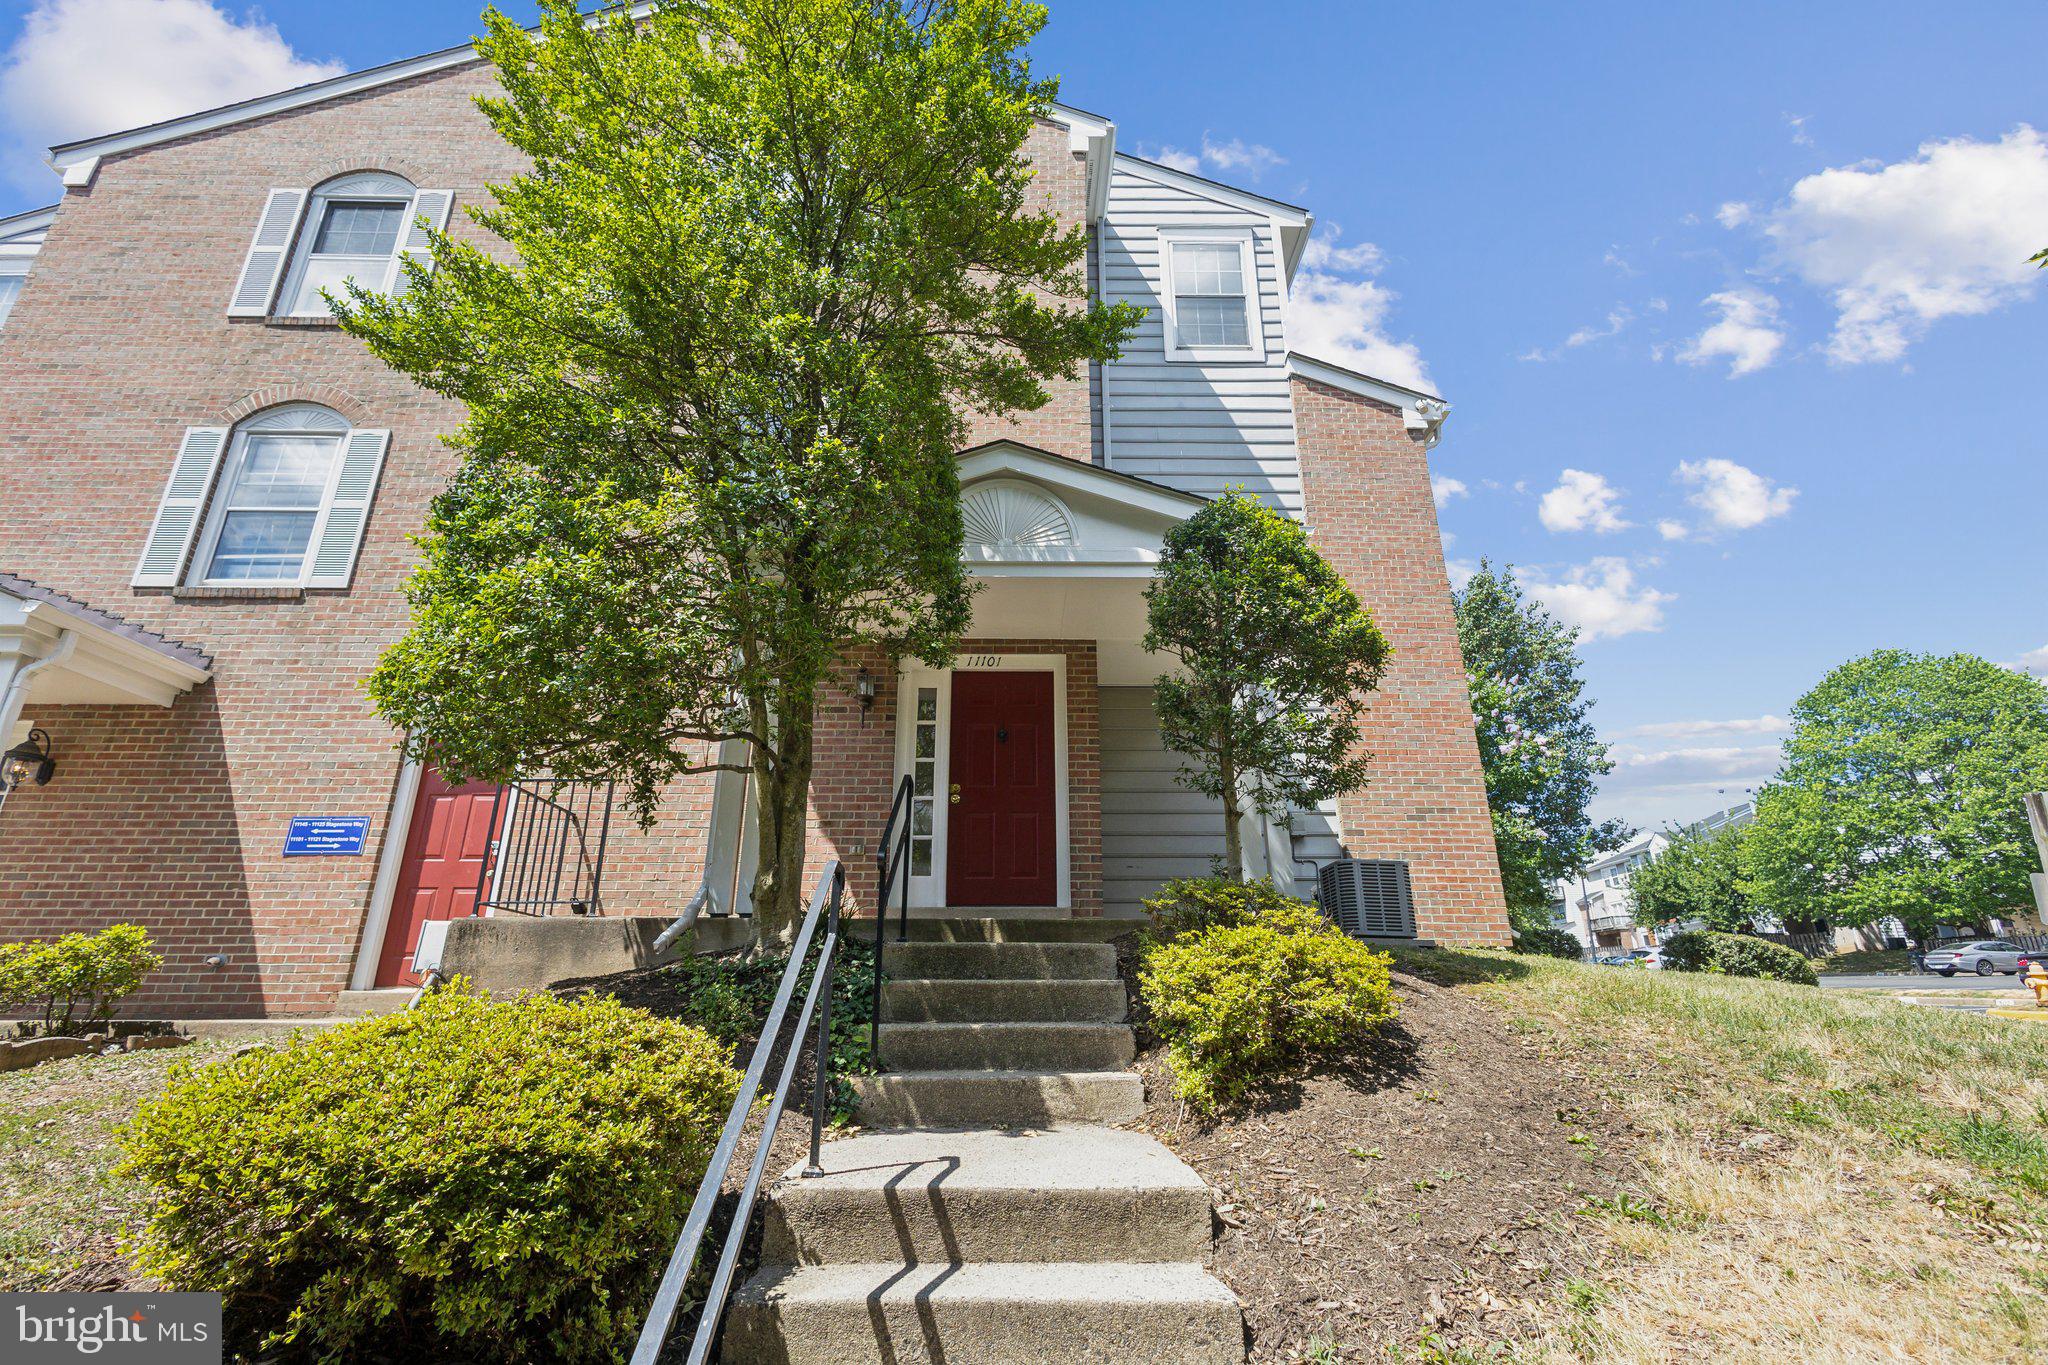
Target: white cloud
(1731,215)
(1190,162)
(1704,729)
(1618,318)
(1239,155)
(1460,571)
(1601,598)
(1619,261)
(1747,334)
(1444,488)
(1582,501)
(2034,661)
(1673,530)
(1657,786)
(1797,123)
(1734,497)
(1344,320)
(1946,233)
(84,67)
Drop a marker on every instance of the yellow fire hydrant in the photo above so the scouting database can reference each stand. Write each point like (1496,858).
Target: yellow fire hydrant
(2037,982)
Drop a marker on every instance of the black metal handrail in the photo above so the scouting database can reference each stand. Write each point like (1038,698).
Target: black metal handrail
(825,902)
(891,856)
(545,840)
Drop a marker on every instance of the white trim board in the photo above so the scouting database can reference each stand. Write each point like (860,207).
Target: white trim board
(1423,412)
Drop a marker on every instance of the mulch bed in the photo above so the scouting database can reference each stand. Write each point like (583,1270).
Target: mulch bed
(1432,1190)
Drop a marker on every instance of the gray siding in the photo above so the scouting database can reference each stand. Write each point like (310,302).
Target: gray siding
(1193,426)
(1153,829)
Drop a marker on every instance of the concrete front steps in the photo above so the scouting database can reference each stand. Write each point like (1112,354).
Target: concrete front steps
(994,1222)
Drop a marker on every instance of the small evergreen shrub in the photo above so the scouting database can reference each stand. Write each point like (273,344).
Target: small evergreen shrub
(1241,1004)
(469,1180)
(75,982)
(1738,955)
(1549,941)
(1192,904)
(728,997)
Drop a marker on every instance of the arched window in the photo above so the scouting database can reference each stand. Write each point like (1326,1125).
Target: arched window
(354,227)
(285,494)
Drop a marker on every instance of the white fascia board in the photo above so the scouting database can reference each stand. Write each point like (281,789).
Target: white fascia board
(1076,477)
(1421,411)
(82,157)
(1094,137)
(32,223)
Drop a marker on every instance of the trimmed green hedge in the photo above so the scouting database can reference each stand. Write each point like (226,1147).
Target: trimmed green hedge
(1192,904)
(75,982)
(1550,942)
(1245,984)
(1738,955)
(467,1180)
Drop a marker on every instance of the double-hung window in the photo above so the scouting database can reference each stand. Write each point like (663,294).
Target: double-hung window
(270,498)
(279,501)
(353,229)
(1211,294)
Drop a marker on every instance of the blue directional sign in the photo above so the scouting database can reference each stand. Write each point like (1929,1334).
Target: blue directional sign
(330,835)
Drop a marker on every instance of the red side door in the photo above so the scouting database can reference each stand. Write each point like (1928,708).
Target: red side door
(446,848)
(1001,829)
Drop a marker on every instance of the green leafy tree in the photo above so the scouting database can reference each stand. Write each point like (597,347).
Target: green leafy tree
(1901,794)
(1276,657)
(1537,747)
(766,255)
(1697,876)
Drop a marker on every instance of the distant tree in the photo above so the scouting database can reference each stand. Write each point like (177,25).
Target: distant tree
(1276,657)
(1697,876)
(764,257)
(1902,794)
(1539,751)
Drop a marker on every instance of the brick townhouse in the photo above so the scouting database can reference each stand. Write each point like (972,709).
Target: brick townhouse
(208,494)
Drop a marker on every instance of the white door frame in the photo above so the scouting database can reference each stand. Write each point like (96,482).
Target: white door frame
(910,677)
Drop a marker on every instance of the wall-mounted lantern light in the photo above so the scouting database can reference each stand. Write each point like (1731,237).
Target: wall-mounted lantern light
(28,761)
(864,688)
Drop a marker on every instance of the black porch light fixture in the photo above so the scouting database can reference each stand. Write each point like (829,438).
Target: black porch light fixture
(864,688)
(28,761)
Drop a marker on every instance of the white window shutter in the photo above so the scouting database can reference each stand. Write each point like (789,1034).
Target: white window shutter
(269,249)
(177,515)
(431,206)
(341,534)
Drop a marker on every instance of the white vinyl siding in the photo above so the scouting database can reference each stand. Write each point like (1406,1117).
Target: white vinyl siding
(1153,829)
(1199,424)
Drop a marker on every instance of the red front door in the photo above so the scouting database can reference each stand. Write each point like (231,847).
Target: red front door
(445,850)
(1002,825)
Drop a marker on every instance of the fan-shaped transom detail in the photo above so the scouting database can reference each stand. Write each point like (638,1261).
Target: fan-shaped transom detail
(297,417)
(1009,514)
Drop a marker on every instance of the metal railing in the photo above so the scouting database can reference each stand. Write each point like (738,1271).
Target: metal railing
(892,855)
(544,862)
(668,1297)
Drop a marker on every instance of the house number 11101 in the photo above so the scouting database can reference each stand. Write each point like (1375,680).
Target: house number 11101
(983,661)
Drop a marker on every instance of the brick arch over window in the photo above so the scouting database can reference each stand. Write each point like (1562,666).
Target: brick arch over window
(371,164)
(271,395)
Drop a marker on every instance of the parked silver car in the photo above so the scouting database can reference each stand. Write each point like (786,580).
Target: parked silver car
(1982,956)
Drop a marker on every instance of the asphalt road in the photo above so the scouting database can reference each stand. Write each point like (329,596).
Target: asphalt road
(1921,981)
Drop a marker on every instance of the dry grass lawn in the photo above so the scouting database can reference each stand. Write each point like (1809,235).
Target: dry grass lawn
(1828,1178)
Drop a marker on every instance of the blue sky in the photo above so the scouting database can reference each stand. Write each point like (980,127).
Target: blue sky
(1745,376)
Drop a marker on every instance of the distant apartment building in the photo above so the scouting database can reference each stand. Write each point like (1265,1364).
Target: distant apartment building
(1596,908)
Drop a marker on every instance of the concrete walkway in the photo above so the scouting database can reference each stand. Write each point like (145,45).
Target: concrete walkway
(992,1216)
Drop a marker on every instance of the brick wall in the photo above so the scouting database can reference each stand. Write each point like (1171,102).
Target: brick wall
(1365,481)
(120,342)
(1064,425)
(177,818)
(855,777)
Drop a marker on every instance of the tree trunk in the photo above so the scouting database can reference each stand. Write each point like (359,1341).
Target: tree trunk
(1233,818)
(782,816)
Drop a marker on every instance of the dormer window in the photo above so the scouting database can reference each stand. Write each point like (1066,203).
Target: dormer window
(357,227)
(1209,288)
